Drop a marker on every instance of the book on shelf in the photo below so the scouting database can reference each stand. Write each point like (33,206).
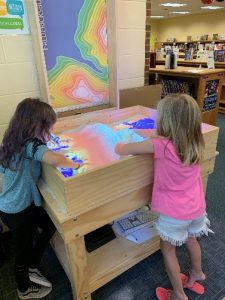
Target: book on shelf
(210,103)
(210,96)
(215,36)
(188,54)
(219,55)
(160,53)
(210,59)
(211,87)
(201,54)
(170,86)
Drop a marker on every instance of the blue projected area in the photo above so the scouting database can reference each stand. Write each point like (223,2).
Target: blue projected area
(56,144)
(68,172)
(145,123)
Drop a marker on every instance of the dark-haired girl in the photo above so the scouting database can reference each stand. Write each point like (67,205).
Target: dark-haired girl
(22,150)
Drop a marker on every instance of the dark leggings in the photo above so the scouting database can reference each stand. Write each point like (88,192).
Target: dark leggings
(28,251)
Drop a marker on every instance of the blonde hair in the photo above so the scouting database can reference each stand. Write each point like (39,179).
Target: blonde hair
(179,120)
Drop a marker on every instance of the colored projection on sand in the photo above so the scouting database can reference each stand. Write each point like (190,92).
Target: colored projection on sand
(75,46)
(145,123)
(93,145)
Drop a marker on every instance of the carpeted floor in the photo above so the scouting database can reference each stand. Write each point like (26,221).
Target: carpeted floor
(139,282)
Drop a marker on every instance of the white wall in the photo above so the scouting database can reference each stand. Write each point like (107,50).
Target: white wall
(131,18)
(195,25)
(18,75)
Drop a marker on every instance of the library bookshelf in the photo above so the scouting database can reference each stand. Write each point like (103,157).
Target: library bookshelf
(203,84)
(198,63)
(195,44)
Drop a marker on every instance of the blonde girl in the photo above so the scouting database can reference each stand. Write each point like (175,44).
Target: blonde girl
(178,196)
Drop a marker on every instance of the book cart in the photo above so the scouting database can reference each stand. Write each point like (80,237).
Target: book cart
(199,63)
(80,204)
(204,85)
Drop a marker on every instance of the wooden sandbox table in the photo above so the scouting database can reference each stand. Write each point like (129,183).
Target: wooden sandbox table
(82,203)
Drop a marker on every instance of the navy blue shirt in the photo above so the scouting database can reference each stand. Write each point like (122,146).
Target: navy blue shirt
(20,186)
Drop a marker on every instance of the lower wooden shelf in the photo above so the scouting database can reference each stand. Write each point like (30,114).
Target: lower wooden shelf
(108,261)
(222,110)
(115,257)
(222,106)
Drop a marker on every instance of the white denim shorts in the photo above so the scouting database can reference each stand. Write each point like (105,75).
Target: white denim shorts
(176,232)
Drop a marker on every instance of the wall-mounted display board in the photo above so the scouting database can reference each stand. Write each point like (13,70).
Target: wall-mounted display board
(13,19)
(75,49)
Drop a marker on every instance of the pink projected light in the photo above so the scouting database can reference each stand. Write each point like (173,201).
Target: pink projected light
(93,145)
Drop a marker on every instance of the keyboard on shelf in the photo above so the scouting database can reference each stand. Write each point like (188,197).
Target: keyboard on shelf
(136,221)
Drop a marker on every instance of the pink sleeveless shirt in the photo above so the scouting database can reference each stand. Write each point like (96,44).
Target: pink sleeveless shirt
(177,189)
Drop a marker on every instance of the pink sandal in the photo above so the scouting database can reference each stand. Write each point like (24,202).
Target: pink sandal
(196,287)
(163,294)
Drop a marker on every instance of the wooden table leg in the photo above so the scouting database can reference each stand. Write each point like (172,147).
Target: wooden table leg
(78,269)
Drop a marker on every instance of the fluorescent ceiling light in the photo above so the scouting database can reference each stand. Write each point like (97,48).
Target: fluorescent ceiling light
(211,7)
(172,4)
(157,17)
(180,12)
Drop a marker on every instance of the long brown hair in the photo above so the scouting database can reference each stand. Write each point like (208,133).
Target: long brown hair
(32,120)
(179,119)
